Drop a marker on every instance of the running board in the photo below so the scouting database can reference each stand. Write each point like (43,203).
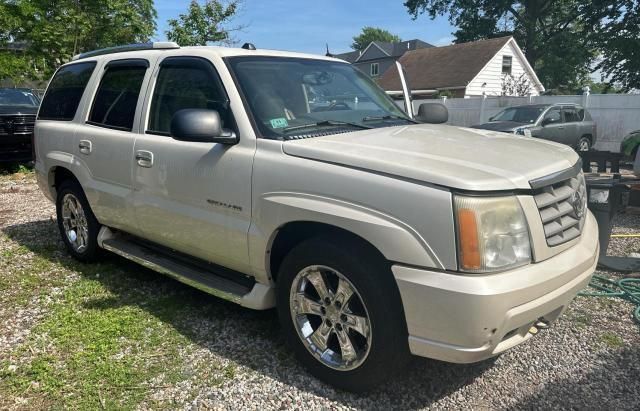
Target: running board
(258,296)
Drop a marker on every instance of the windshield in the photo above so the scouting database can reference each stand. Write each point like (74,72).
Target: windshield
(519,114)
(18,97)
(289,97)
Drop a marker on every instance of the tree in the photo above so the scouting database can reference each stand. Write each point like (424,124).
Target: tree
(369,34)
(512,86)
(560,38)
(203,25)
(618,40)
(54,31)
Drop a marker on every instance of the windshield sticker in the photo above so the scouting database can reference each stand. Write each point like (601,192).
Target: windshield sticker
(279,122)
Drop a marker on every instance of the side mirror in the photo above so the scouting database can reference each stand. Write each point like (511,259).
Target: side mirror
(434,113)
(200,126)
(491,118)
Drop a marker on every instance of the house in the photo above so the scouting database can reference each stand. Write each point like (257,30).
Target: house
(490,67)
(376,59)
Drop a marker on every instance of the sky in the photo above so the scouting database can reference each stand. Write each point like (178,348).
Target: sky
(306,26)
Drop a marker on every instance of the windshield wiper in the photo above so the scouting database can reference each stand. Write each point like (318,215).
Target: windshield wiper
(387,117)
(325,123)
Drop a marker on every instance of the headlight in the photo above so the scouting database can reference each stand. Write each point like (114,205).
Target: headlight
(492,233)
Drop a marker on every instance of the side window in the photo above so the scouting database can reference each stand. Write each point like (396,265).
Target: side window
(186,82)
(115,102)
(571,115)
(65,91)
(553,116)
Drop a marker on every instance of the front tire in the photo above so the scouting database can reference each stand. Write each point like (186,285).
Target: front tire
(78,226)
(341,313)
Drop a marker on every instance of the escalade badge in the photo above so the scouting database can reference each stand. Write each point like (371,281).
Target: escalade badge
(578,202)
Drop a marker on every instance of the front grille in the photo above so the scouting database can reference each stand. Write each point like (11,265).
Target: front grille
(14,125)
(562,207)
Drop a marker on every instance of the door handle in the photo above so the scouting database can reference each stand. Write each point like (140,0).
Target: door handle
(85,146)
(560,128)
(144,158)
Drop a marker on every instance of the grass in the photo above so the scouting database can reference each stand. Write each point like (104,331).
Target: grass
(107,339)
(15,171)
(611,340)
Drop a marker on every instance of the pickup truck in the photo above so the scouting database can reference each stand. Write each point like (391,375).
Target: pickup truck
(286,180)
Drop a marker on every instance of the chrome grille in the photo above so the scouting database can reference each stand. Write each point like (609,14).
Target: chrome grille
(562,206)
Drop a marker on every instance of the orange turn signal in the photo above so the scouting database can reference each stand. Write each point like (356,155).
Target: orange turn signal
(468,238)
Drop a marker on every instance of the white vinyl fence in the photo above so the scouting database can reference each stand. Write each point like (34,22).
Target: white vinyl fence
(615,114)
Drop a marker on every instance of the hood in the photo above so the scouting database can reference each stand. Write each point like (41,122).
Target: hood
(462,158)
(502,125)
(18,110)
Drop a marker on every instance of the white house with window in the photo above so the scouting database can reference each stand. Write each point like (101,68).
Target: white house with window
(492,67)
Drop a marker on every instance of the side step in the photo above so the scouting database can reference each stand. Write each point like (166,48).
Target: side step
(206,281)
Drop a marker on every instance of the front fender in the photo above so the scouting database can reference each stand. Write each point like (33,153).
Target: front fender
(395,240)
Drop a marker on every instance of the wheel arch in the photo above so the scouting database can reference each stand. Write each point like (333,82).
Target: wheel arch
(295,232)
(284,218)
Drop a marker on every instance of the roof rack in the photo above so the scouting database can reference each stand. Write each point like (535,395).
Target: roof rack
(157,45)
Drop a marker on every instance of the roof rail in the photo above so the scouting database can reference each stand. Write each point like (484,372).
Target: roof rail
(157,45)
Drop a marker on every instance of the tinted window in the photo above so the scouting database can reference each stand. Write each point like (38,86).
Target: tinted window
(115,102)
(571,115)
(65,91)
(186,82)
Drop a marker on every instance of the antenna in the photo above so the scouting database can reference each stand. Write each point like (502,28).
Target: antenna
(328,54)
(248,46)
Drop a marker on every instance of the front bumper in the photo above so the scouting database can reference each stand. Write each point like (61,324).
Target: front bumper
(468,318)
(15,148)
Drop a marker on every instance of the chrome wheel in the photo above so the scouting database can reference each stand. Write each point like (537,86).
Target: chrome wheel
(584,145)
(75,223)
(330,317)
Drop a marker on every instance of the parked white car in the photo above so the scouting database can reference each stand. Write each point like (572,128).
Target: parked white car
(373,235)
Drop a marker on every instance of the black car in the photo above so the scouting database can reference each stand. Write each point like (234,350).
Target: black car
(565,123)
(18,108)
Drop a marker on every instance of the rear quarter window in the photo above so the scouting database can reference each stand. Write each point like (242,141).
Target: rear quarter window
(65,91)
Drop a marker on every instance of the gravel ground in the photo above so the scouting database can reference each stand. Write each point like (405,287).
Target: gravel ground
(230,358)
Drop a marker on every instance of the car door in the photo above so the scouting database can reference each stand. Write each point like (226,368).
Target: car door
(193,197)
(569,134)
(106,139)
(552,125)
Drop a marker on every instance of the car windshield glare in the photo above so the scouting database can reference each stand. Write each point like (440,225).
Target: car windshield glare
(322,96)
(17,97)
(519,114)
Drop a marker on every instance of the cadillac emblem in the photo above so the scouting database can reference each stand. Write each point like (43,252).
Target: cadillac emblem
(9,126)
(578,200)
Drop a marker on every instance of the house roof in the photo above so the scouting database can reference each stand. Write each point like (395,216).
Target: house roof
(351,56)
(444,67)
(390,49)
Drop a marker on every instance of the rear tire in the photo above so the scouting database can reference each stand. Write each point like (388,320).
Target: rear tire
(78,226)
(584,144)
(354,343)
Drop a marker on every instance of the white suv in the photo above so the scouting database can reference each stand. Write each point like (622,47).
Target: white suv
(286,180)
